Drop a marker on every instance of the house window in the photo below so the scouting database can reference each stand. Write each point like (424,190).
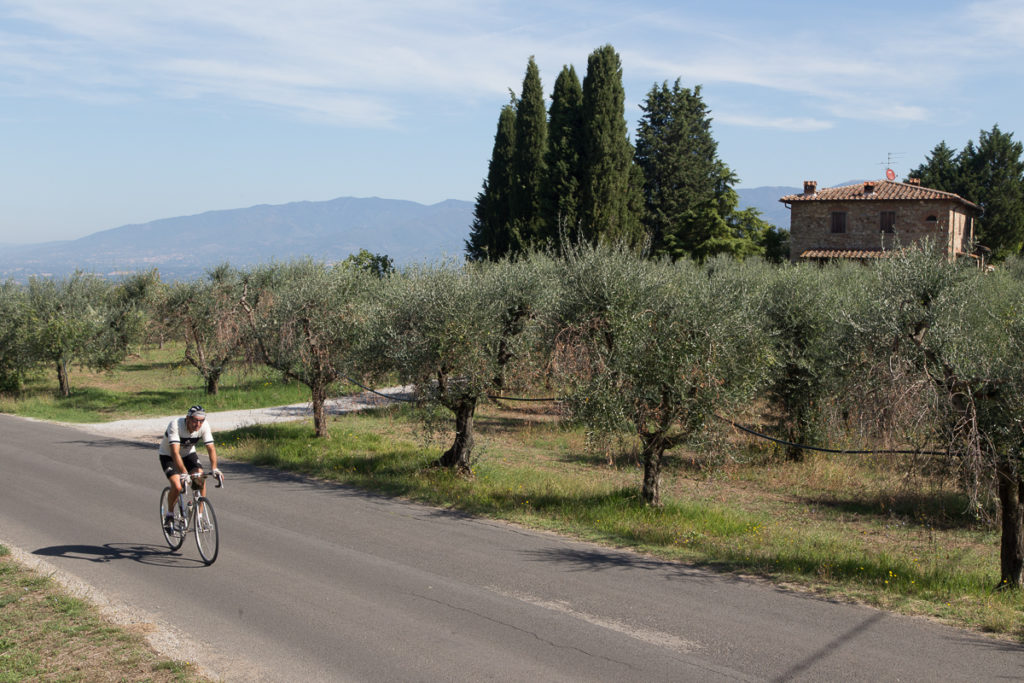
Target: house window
(838,221)
(887,222)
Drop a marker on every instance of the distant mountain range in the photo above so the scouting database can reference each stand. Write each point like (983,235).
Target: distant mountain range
(766,200)
(185,247)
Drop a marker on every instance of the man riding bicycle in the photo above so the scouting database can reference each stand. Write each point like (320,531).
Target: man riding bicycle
(178,457)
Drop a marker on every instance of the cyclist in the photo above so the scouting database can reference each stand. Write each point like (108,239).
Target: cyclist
(178,455)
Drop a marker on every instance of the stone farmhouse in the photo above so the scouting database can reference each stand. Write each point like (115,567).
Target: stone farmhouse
(870,219)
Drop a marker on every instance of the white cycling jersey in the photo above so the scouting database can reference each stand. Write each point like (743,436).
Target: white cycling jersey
(178,433)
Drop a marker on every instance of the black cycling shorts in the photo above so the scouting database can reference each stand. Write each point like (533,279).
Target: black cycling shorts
(191,462)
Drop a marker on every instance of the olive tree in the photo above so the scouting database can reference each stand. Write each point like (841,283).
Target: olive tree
(208,315)
(962,331)
(525,289)
(975,351)
(135,300)
(454,332)
(14,351)
(306,319)
(657,349)
(73,319)
(800,309)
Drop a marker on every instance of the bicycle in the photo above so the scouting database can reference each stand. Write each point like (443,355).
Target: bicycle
(195,514)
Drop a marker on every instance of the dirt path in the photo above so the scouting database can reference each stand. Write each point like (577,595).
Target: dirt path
(150,429)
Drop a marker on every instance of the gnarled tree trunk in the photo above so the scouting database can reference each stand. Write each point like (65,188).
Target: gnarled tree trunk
(457,457)
(62,378)
(213,383)
(1011,550)
(654,450)
(318,394)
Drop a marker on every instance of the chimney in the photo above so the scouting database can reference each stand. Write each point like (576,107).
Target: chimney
(869,187)
(810,186)
(913,181)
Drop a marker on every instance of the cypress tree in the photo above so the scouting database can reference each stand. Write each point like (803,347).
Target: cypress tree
(528,165)
(607,183)
(561,192)
(489,234)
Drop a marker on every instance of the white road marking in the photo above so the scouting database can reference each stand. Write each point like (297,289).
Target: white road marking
(650,636)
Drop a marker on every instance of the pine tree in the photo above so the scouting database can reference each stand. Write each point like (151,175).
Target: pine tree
(561,192)
(489,234)
(992,176)
(940,170)
(528,165)
(607,183)
(689,202)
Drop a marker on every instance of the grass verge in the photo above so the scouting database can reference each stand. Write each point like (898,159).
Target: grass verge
(850,527)
(46,634)
(153,382)
(841,526)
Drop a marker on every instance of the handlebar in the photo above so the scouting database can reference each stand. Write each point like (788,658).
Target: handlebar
(203,475)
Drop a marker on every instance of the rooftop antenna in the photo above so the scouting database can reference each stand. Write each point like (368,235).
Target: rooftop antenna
(891,161)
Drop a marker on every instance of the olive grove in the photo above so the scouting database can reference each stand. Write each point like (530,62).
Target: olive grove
(913,354)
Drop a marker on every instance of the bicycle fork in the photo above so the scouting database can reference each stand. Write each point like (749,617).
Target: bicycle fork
(184,508)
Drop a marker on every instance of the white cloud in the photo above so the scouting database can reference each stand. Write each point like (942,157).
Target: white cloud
(783,123)
(1000,21)
(248,49)
(356,61)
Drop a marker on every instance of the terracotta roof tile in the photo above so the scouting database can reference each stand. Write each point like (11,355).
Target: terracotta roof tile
(883,190)
(844,254)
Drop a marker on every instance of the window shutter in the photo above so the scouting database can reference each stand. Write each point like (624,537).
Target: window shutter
(838,221)
(887,222)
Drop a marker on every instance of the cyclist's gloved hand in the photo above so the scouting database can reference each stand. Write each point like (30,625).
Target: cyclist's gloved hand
(183,478)
(217,473)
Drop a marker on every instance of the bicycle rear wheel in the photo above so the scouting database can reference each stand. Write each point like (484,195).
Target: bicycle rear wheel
(174,536)
(207,536)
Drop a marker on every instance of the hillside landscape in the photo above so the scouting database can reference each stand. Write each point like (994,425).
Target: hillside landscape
(186,246)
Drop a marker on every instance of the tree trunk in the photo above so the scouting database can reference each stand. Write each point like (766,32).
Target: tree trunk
(319,398)
(213,383)
(795,410)
(1011,551)
(654,449)
(62,378)
(794,453)
(503,358)
(457,457)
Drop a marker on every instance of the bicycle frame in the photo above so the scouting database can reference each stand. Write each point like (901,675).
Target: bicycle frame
(188,510)
(195,513)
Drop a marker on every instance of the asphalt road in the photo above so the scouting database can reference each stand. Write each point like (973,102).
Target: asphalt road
(319,582)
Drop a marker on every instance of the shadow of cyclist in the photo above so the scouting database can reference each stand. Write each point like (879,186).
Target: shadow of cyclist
(144,553)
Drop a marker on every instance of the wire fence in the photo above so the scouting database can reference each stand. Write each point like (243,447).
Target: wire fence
(390,397)
(748,430)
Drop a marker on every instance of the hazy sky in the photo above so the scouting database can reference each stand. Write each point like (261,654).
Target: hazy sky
(125,111)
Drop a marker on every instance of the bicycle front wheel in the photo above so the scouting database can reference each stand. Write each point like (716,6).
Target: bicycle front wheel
(207,536)
(175,535)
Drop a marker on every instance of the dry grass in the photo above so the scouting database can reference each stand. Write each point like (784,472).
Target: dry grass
(46,634)
(852,527)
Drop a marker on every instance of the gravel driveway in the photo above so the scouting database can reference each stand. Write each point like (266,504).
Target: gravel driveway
(151,429)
